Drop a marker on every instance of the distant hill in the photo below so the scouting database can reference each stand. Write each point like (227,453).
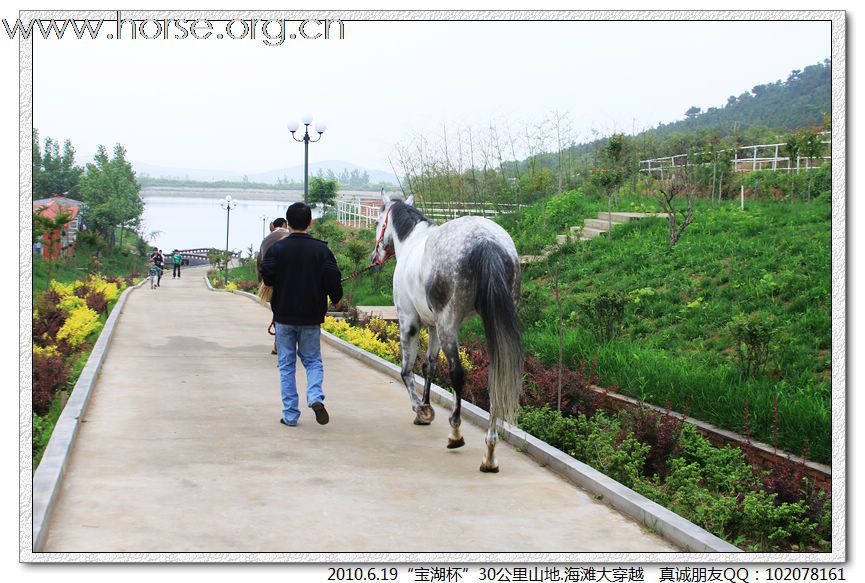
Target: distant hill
(765,112)
(295,173)
(291,173)
(799,101)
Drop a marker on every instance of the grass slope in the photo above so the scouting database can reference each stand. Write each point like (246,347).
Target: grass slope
(675,346)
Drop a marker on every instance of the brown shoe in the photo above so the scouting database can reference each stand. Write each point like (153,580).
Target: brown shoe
(320,413)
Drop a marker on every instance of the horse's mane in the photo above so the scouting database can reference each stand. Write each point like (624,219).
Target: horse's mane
(405,218)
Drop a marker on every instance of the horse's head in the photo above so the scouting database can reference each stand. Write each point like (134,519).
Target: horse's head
(384,232)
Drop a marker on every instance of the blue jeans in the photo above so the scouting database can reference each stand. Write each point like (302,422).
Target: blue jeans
(305,342)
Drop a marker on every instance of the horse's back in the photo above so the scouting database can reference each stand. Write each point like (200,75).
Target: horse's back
(460,235)
(450,257)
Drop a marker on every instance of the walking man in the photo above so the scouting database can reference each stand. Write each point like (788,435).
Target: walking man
(177,258)
(303,273)
(278,231)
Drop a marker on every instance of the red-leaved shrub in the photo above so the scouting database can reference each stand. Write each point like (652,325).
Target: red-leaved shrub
(540,385)
(97,302)
(50,297)
(46,324)
(659,431)
(50,374)
(246,285)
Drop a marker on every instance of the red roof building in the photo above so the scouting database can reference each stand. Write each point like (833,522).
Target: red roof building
(50,208)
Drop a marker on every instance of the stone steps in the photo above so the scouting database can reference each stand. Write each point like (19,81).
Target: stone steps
(587,233)
(625,217)
(592,228)
(601,224)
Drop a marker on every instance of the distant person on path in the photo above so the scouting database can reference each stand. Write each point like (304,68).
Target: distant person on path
(161,266)
(303,273)
(278,231)
(153,273)
(159,261)
(177,258)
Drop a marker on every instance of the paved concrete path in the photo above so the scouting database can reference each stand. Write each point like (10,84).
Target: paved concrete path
(182,450)
(384,312)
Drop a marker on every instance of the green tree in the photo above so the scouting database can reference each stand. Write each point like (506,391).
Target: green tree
(37,164)
(323,191)
(357,252)
(792,147)
(50,231)
(54,173)
(692,112)
(70,174)
(812,147)
(610,175)
(111,194)
(90,243)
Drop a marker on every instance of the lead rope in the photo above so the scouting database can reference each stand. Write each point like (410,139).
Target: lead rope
(365,269)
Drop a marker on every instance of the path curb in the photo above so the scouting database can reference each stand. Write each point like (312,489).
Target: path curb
(668,524)
(52,467)
(652,515)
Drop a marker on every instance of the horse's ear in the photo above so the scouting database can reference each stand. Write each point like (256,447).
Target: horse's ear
(410,200)
(384,198)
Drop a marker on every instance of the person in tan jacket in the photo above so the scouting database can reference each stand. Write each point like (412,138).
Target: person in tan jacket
(278,231)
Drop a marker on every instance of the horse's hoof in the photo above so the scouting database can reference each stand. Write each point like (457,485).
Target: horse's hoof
(455,443)
(488,469)
(426,414)
(419,421)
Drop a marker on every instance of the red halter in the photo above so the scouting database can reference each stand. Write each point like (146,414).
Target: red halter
(378,261)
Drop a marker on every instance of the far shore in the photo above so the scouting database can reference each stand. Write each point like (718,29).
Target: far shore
(268,194)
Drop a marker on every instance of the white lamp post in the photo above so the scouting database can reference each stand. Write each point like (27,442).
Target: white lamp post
(263,218)
(306,139)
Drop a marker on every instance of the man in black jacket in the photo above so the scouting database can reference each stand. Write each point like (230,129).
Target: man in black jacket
(303,273)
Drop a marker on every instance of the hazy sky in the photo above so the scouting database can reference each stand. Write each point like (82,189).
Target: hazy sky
(224,104)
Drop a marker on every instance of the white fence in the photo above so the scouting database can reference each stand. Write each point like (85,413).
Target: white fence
(745,159)
(363,213)
(356,212)
(441,212)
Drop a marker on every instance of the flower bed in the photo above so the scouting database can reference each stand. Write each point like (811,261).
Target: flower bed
(382,339)
(67,318)
(655,454)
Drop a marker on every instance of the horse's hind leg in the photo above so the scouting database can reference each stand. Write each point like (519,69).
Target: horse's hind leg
(408,336)
(452,353)
(425,410)
(489,463)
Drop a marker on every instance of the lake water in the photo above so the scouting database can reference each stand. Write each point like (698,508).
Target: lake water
(190,223)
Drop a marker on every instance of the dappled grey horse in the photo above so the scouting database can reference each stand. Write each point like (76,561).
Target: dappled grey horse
(444,275)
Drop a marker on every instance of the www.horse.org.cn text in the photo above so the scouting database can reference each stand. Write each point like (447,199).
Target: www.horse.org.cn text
(270,32)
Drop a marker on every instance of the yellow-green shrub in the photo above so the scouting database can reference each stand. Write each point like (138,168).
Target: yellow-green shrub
(363,338)
(382,338)
(49,350)
(108,289)
(71,303)
(78,326)
(63,289)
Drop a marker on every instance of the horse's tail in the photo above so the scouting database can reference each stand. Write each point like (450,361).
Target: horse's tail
(498,312)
